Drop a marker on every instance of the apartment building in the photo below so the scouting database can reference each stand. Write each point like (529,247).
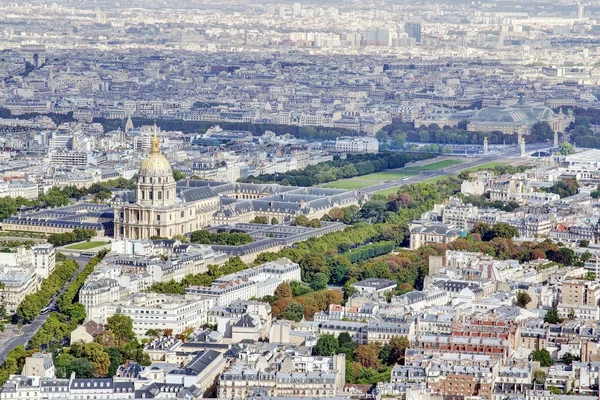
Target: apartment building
(156,311)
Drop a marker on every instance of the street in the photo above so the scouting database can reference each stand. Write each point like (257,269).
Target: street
(29,330)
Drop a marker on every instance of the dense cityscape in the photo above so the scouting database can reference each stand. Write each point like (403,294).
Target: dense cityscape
(299,200)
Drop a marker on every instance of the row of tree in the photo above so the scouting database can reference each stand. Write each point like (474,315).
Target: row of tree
(370,251)
(232,265)
(66,300)
(33,303)
(264,220)
(396,135)
(355,165)
(54,333)
(76,235)
(13,363)
(229,238)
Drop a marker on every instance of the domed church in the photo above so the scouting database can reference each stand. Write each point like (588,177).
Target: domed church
(156,209)
(161,207)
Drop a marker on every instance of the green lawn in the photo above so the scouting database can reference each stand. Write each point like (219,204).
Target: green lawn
(489,165)
(436,179)
(438,165)
(359,182)
(86,245)
(348,184)
(384,176)
(387,192)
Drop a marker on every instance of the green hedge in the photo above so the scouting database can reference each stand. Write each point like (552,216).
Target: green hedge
(370,251)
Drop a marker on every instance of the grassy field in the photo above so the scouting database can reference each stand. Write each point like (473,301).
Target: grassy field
(434,180)
(375,178)
(86,245)
(348,184)
(437,165)
(387,192)
(359,182)
(489,165)
(384,176)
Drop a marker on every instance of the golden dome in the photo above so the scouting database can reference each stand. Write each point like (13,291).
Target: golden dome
(155,163)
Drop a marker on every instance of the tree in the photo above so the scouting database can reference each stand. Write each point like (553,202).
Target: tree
(367,356)
(503,230)
(571,315)
(399,345)
(29,308)
(283,290)
(564,256)
(82,367)
(339,273)
(566,149)
(542,356)
(293,312)
(482,229)
(94,353)
(327,345)
(116,359)
(153,333)
(542,130)
(381,136)
(552,317)
(319,281)
(178,175)
(76,313)
(565,187)
(301,220)
(568,358)
(274,221)
(260,220)
(345,340)
(555,390)
(539,377)
(122,327)
(523,299)
(348,289)
(336,214)
(584,243)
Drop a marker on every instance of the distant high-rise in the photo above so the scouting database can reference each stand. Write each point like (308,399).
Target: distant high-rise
(579,10)
(377,37)
(413,29)
(297,9)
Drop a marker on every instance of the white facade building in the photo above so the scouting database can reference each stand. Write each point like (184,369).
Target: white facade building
(156,311)
(351,144)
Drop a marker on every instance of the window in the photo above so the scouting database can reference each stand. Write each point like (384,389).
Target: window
(158,217)
(159,195)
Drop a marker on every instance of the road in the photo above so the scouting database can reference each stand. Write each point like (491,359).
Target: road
(510,153)
(29,330)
